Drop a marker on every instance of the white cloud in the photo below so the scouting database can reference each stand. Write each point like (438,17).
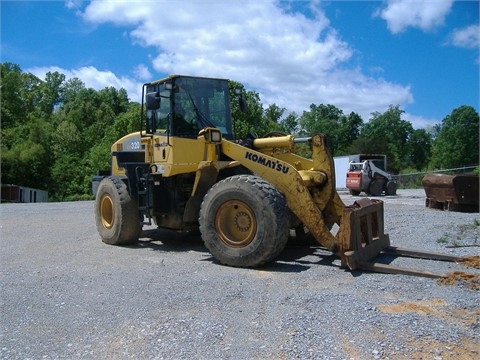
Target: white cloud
(425,15)
(141,72)
(468,37)
(290,59)
(420,122)
(94,78)
(73,4)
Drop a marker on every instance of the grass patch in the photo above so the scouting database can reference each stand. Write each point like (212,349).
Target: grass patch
(443,239)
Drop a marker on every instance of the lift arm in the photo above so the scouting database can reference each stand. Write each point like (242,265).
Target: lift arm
(294,183)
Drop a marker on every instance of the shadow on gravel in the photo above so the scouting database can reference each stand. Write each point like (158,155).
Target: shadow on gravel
(294,259)
(169,240)
(276,266)
(285,263)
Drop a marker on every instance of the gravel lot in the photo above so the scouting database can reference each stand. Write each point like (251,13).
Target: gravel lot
(66,295)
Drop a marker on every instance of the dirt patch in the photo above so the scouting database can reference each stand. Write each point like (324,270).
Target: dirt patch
(472,281)
(439,309)
(349,347)
(471,262)
(422,307)
(428,348)
(467,317)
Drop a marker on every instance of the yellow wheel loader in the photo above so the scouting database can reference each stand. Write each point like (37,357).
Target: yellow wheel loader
(185,171)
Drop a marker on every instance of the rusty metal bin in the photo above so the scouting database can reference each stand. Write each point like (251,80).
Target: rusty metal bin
(452,192)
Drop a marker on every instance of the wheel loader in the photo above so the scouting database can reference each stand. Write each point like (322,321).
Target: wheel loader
(184,170)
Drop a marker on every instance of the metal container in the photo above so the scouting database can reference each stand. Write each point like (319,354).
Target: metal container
(452,192)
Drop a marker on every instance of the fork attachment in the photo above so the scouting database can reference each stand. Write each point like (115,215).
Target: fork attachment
(362,238)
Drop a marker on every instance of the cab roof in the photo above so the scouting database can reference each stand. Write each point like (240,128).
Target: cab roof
(171,77)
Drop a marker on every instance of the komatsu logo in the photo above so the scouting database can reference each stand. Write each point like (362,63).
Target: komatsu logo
(275,165)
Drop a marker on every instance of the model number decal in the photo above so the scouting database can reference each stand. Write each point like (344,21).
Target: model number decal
(135,145)
(276,165)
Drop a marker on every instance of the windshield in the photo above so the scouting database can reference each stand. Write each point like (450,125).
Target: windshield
(201,103)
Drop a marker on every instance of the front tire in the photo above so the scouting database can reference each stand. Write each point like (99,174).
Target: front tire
(375,188)
(116,213)
(244,221)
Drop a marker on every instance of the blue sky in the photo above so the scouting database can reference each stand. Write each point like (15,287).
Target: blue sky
(360,56)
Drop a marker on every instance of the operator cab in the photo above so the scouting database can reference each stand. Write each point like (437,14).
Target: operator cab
(181,106)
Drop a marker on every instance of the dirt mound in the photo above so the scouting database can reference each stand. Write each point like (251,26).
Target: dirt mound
(471,262)
(472,281)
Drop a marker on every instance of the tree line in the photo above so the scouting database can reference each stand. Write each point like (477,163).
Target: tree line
(56,133)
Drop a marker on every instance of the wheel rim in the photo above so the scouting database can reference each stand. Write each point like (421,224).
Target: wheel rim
(235,223)
(107,212)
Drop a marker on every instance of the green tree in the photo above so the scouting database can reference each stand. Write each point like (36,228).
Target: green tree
(320,119)
(98,156)
(67,139)
(26,133)
(250,121)
(20,96)
(420,145)
(386,133)
(126,122)
(273,113)
(71,88)
(349,131)
(271,121)
(457,141)
(51,91)
(117,100)
(340,130)
(28,160)
(290,125)
(69,180)
(12,105)
(57,133)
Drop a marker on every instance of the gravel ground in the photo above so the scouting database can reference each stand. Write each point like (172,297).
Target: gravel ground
(66,295)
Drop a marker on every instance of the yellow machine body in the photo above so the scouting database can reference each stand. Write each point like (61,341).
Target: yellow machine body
(186,171)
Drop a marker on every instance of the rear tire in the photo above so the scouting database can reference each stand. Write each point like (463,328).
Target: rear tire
(116,213)
(354,192)
(244,221)
(391,188)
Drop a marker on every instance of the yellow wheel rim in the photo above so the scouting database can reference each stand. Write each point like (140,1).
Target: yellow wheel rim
(107,212)
(235,223)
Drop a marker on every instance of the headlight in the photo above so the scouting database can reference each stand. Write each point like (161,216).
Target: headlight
(213,135)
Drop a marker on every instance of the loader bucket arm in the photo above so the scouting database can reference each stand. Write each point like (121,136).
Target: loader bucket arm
(309,189)
(288,179)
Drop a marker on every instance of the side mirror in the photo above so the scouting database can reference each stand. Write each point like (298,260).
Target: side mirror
(241,100)
(152,101)
(243,104)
